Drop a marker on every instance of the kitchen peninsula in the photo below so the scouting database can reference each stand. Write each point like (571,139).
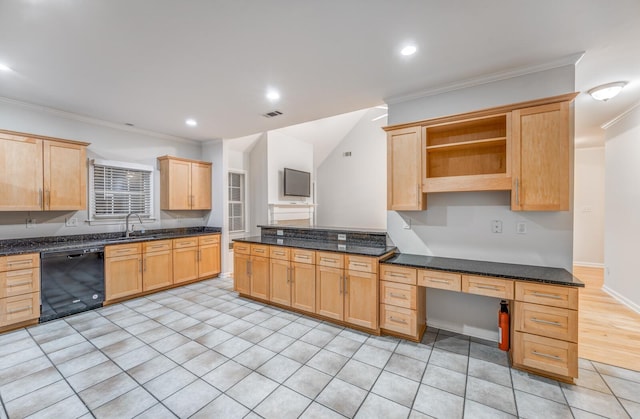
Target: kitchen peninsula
(354,278)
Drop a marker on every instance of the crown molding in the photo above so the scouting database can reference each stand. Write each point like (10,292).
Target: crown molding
(95,121)
(572,59)
(620,117)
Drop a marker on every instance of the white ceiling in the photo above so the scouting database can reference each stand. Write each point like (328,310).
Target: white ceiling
(154,63)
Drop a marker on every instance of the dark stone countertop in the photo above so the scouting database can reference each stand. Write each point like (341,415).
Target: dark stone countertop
(61,243)
(327,246)
(557,276)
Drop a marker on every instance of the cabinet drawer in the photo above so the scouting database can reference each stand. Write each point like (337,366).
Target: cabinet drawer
(398,274)
(241,248)
(122,249)
(397,319)
(550,355)
(185,242)
(332,260)
(399,295)
(281,253)
(361,263)
(19,308)
(442,280)
(13,262)
(303,256)
(549,295)
(156,246)
(260,250)
(24,281)
(491,287)
(212,239)
(552,322)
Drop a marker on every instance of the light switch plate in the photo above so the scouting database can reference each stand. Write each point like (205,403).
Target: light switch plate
(521,228)
(71,222)
(496,226)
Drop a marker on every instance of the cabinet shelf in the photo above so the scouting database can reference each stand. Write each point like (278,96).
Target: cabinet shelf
(489,142)
(490,182)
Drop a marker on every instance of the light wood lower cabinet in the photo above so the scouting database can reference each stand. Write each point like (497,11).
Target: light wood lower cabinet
(135,268)
(241,278)
(293,284)
(303,286)
(403,308)
(545,323)
(19,289)
(122,271)
(329,289)
(361,299)
(280,282)
(260,278)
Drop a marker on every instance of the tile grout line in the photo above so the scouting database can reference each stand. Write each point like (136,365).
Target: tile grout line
(612,392)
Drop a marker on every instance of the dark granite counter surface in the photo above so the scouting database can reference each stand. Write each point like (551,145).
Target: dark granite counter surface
(557,276)
(60,243)
(328,246)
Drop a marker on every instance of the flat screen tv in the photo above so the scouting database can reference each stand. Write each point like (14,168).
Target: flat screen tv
(297,183)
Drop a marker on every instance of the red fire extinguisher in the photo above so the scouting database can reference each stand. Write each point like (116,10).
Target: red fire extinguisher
(503,326)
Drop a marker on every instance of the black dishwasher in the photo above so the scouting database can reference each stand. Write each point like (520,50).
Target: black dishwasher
(71,281)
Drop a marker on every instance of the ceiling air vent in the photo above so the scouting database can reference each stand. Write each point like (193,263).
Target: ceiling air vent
(272,114)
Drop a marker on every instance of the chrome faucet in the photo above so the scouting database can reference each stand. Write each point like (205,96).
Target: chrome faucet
(126,226)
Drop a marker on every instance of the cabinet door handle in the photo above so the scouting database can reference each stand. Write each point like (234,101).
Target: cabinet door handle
(364,265)
(40,203)
(17,284)
(346,284)
(542,354)
(549,322)
(488,287)
(249,267)
(544,295)
(397,275)
(288,275)
(18,310)
(18,263)
(145,265)
(141,263)
(341,284)
(417,193)
(199,255)
(48,193)
(400,296)
(518,191)
(328,260)
(439,281)
(401,321)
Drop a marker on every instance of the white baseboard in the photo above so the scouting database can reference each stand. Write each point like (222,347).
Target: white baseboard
(622,299)
(589,264)
(475,332)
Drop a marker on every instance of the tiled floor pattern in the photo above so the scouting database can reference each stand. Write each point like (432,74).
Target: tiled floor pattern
(200,351)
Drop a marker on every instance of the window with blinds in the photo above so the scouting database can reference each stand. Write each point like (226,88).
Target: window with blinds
(236,202)
(117,189)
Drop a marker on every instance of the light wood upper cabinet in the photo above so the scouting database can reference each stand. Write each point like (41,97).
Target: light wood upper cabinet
(404,170)
(38,173)
(541,158)
(184,184)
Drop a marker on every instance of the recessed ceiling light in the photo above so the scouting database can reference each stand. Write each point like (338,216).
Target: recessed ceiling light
(4,67)
(607,91)
(409,50)
(273,95)
(191,122)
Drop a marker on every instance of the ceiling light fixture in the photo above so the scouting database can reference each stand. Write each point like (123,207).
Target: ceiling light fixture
(4,67)
(191,122)
(607,91)
(408,50)
(273,95)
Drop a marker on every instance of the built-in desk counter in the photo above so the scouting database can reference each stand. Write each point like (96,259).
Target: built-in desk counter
(543,305)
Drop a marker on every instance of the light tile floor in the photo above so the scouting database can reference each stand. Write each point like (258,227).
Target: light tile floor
(201,351)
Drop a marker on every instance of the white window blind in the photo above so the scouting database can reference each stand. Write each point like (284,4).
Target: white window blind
(236,202)
(117,189)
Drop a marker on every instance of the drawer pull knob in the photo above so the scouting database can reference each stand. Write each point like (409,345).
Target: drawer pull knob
(554,357)
(549,322)
(19,310)
(17,284)
(400,296)
(439,281)
(545,295)
(487,287)
(401,321)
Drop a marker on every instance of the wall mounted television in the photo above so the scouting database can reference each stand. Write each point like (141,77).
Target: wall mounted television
(297,183)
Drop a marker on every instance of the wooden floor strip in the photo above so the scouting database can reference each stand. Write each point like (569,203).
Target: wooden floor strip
(609,331)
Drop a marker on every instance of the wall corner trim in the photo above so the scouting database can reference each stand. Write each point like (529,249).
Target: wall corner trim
(622,299)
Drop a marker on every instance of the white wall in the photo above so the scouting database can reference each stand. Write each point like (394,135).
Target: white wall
(588,222)
(286,151)
(214,151)
(259,184)
(622,200)
(457,225)
(360,203)
(107,142)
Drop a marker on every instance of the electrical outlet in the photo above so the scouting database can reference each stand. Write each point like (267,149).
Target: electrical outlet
(496,226)
(31,223)
(279,233)
(71,222)
(521,228)
(342,237)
